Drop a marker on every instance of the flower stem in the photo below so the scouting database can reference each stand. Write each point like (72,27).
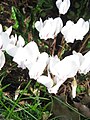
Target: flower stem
(85,41)
(54,44)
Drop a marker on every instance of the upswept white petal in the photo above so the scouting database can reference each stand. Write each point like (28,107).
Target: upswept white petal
(84,62)
(58,3)
(45,80)
(20,57)
(17,41)
(20,41)
(68,31)
(85,65)
(9,30)
(38,67)
(11,50)
(53,60)
(13,45)
(33,52)
(39,25)
(5,40)
(57,25)
(63,6)
(4,37)
(1,44)
(80,57)
(1,29)
(2,59)
(13,39)
(55,88)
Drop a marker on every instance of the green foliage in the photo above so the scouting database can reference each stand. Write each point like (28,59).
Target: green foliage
(30,107)
(14,17)
(79,9)
(88,45)
(43,6)
(80,89)
(21,23)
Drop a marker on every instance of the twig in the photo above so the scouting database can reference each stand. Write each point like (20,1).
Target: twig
(54,45)
(84,43)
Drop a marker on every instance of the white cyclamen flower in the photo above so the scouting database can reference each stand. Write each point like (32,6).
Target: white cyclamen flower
(66,68)
(84,61)
(27,55)
(63,6)
(62,70)
(76,31)
(2,59)
(49,28)
(14,44)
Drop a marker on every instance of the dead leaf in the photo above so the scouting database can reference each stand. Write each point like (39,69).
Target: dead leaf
(82,109)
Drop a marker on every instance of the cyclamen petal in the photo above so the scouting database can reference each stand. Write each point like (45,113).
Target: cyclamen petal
(63,6)
(85,65)
(39,25)
(20,57)
(5,40)
(8,31)
(2,59)
(13,39)
(79,56)
(20,41)
(66,69)
(84,61)
(38,67)
(68,31)
(11,50)
(55,88)
(53,60)
(1,44)
(17,41)
(33,52)
(47,81)
(1,29)
(57,25)
(4,37)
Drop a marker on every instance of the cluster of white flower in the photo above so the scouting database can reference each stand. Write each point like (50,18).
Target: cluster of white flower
(28,56)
